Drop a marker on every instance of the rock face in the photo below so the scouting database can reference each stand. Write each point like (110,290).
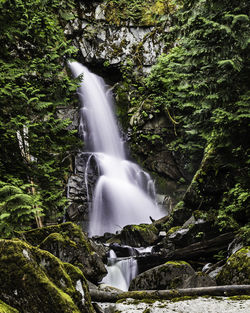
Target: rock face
(80,188)
(33,280)
(67,242)
(107,33)
(236,271)
(171,275)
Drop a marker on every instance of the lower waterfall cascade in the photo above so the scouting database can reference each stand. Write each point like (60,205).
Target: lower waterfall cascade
(120,271)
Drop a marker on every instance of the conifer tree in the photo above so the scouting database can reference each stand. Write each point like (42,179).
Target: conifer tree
(35,143)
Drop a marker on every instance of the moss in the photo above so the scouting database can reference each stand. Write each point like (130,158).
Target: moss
(184,298)
(4,308)
(118,12)
(242,297)
(67,231)
(177,263)
(173,230)
(237,268)
(76,274)
(144,228)
(67,242)
(41,280)
(59,238)
(139,295)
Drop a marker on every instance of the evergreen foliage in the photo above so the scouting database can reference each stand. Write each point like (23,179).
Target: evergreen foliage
(203,84)
(33,85)
(18,207)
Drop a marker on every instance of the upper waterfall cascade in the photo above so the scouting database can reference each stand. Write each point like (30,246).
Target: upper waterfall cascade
(124,194)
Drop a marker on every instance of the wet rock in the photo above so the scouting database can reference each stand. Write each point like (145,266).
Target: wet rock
(187,235)
(34,280)
(80,188)
(236,271)
(123,251)
(68,243)
(235,245)
(171,275)
(142,235)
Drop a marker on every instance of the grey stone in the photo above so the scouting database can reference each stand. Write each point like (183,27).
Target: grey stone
(171,275)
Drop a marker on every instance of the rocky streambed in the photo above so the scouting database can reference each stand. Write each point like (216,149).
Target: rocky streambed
(198,305)
(59,269)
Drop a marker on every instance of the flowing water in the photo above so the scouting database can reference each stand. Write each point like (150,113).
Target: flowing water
(124,193)
(120,271)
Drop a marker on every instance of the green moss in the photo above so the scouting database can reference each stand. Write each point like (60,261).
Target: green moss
(76,274)
(147,13)
(144,228)
(177,263)
(138,295)
(67,231)
(237,268)
(173,230)
(184,298)
(40,279)
(242,297)
(4,308)
(59,238)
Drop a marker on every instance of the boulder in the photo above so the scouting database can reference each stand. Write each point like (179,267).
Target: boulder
(142,235)
(67,242)
(171,275)
(123,251)
(236,271)
(187,235)
(34,280)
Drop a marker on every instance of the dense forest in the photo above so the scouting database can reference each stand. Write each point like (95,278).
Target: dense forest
(35,142)
(201,81)
(179,73)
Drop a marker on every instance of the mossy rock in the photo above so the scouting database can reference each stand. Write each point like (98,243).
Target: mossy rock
(171,275)
(67,242)
(236,271)
(140,12)
(5,308)
(34,280)
(142,235)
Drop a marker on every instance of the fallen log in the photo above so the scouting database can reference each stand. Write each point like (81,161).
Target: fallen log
(193,252)
(203,248)
(227,290)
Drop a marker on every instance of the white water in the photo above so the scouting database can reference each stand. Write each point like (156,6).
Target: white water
(124,193)
(120,271)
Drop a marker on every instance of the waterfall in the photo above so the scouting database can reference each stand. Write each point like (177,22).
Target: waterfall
(124,194)
(120,271)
